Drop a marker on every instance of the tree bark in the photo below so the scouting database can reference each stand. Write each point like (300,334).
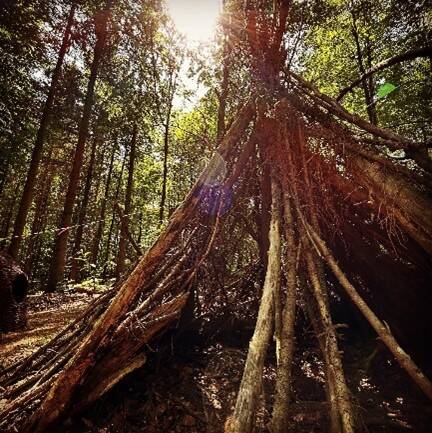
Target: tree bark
(128,205)
(28,192)
(332,354)
(280,415)
(101,219)
(223,93)
(243,418)
(60,246)
(75,267)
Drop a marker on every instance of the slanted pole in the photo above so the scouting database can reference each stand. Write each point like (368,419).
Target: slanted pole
(332,354)
(243,418)
(380,328)
(280,420)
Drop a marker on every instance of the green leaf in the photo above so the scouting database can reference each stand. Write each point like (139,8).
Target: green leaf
(385,89)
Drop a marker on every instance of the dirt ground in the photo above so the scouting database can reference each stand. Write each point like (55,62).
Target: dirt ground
(191,389)
(48,313)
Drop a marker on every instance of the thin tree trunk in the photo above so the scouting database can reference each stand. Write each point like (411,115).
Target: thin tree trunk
(330,388)
(40,214)
(125,225)
(166,147)
(60,246)
(101,219)
(7,220)
(366,85)
(243,418)
(223,94)
(128,206)
(111,228)
(28,192)
(75,269)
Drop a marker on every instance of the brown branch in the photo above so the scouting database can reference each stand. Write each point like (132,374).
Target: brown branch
(395,141)
(125,221)
(380,328)
(408,55)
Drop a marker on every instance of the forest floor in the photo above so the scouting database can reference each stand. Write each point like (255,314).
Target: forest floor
(48,313)
(193,389)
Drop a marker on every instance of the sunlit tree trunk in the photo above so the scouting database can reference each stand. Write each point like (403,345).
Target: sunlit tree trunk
(75,269)
(101,217)
(28,192)
(223,93)
(60,246)
(127,206)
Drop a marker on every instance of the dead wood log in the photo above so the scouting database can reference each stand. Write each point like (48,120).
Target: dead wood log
(243,417)
(330,389)
(412,207)
(332,354)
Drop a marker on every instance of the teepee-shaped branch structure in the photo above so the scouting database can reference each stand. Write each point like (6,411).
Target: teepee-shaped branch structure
(320,170)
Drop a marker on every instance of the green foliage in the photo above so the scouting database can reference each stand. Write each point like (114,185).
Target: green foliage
(146,70)
(385,89)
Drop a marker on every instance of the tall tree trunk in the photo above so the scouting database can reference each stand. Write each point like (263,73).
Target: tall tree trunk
(223,94)
(60,247)
(113,218)
(75,269)
(166,147)
(243,418)
(40,214)
(128,205)
(367,84)
(101,219)
(28,192)
(7,219)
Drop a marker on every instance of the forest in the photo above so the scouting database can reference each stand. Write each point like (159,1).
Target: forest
(215,216)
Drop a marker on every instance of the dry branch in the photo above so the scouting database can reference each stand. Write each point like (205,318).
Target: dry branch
(381,329)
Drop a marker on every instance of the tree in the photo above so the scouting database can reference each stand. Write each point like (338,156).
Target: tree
(28,191)
(298,183)
(60,245)
(127,204)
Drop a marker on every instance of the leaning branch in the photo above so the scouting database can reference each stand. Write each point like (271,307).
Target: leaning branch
(395,141)
(408,55)
(380,328)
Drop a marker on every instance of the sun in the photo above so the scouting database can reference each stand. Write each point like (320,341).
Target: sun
(195,19)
